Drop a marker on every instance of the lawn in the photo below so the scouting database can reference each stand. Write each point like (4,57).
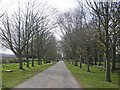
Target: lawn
(0,75)
(93,79)
(11,79)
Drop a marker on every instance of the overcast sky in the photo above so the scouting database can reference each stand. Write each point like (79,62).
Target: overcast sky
(61,5)
(11,5)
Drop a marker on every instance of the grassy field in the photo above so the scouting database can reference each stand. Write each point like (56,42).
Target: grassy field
(11,79)
(0,75)
(93,79)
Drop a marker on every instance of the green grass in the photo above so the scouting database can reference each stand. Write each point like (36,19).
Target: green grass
(93,79)
(0,75)
(11,79)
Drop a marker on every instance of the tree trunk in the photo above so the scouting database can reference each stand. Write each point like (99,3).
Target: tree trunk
(114,58)
(32,61)
(100,59)
(38,56)
(81,61)
(88,63)
(96,58)
(104,62)
(32,51)
(118,60)
(32,58)
(88,66)
(38,59)
(20,62)
(75,64)
(27,57)
(27,65)
(114,50)
(96,55)
(91,60)
(108,78)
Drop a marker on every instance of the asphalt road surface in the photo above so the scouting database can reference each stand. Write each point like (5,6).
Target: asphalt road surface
(57,76)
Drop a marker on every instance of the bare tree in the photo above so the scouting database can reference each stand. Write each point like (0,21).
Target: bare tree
(70,23)
(104,10)
(17,30)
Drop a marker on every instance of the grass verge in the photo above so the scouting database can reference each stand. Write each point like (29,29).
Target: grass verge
(93,79)
(11,79)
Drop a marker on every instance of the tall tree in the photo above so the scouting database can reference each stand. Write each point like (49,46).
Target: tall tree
(103,12)
(17,30)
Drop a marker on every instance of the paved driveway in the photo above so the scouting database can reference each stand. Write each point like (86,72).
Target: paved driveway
(57,76)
